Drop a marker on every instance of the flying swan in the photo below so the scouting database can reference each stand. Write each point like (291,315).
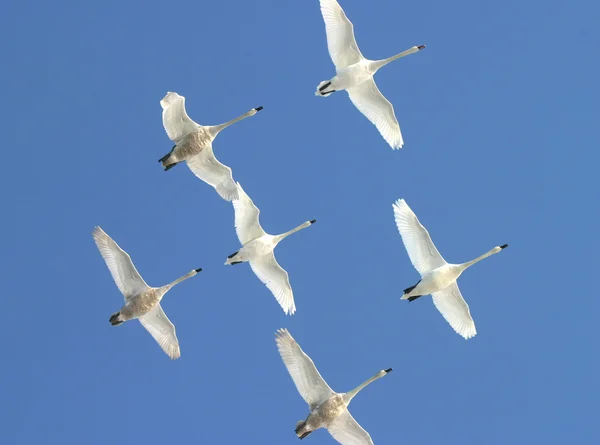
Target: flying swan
(258,249)
(193,144)
(355,73)
(141,301)
(438,277)
(328,409)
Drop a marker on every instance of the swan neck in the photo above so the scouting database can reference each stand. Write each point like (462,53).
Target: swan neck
(180,279)
(476,260)
(350,394)
(286,234)
(379,63)
(216,129)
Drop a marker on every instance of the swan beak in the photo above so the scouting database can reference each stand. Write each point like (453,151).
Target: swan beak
(504,246)
(312,221)
(421,47)
(388,370)
(198,270)
(258,109)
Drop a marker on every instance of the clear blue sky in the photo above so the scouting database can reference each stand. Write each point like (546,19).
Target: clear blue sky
(500,120)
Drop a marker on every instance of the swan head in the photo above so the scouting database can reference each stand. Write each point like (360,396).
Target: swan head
(312,221)
(253,111)
(499,248)
(421,47)
(198,270)
(384,372)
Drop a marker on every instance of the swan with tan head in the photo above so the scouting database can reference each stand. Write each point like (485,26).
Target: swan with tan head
(438,277)
(355,73)
(141,301)
(328,409)
(193,144)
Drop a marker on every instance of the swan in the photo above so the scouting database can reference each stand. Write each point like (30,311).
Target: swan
(258,248)
(355,73)
(438,277)
(328,409)
(141,301)
(193,144)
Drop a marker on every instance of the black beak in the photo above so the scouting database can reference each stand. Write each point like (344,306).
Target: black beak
(388,370)
(504,246)
(258,109)
(421,47)
(312,221)
(198,270)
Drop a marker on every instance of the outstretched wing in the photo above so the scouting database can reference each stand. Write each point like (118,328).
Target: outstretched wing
(340,35)
(421,250)
(370,102)
(175,119)
(454,308)
(309,382)
(347,431)
(276,279)
(126,276)
(163,331)
(247,225)
(206,167)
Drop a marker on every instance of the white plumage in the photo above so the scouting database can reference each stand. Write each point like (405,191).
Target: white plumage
(194,145)
(141,301)
(328,409)
(257,248)
(355,73)
(438,277)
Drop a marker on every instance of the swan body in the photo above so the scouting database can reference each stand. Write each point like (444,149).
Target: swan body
(328,409)
(141,301)
(354,73)
(350,76)
(438,277)
(435,280)
(254,249)
(258,249)
(193,144)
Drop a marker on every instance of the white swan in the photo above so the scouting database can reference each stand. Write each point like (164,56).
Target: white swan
(193,144)
(438,277)
(141,301)
(258,250)
(328,409)
(355,73)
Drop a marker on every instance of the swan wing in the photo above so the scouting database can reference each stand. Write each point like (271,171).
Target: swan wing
(370,102)
(247,225)
(340,35)
(307,379)
(175,119)
(421,250)
(126,276)
(268,270)
(347,431)
(455,310)
(206,167)
(163,331)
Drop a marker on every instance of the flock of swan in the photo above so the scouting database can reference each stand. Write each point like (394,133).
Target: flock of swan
(193,145)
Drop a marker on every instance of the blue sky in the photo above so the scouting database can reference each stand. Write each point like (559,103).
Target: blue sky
(499,116)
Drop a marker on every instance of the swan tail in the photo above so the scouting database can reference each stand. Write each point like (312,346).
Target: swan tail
(321,88)
(165,159)
(231,259)
(300,432)
(408,290)
(116,319)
